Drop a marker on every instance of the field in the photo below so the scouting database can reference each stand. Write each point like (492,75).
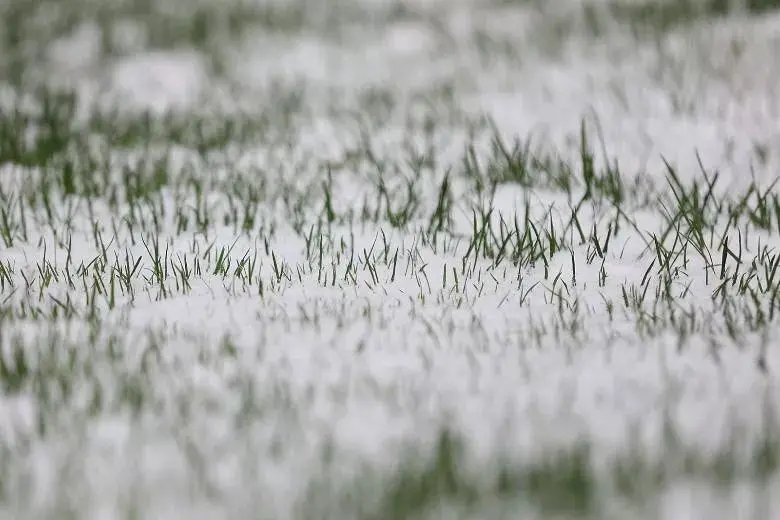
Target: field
(389,259)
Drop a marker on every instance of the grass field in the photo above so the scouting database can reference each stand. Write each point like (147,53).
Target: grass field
(389,259)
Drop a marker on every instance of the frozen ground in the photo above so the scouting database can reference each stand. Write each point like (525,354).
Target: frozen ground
(389,260)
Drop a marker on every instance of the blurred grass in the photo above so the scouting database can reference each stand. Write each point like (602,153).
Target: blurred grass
(660,16)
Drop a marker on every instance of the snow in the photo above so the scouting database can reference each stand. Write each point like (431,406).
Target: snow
(369,371)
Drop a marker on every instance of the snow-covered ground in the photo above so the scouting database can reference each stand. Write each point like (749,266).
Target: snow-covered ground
(412,259)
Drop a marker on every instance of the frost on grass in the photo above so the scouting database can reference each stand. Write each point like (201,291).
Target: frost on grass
(401,262)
